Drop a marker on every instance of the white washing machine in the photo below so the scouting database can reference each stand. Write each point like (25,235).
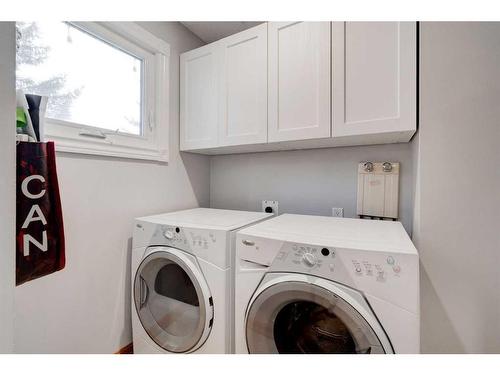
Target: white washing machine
(182,289)
(312,284)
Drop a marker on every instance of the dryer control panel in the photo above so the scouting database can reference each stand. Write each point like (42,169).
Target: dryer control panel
(210,245)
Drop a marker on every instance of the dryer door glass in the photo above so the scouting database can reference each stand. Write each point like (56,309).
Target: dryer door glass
(298,317)
(170,302)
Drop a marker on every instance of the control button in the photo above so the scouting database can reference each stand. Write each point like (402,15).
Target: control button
(309,259)
(168,234)
(390,260)
(281,255)
(325,251)
(177,230)
(358,269)
(396,269)
(381,276)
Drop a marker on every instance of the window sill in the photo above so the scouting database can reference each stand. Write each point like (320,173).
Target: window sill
(108,150)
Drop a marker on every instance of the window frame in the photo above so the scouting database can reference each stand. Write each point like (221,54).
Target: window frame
(153,142)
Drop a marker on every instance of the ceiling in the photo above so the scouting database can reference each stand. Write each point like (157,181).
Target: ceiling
(211,31)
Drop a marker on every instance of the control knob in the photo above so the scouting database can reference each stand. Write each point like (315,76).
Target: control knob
(309,259)
(169,235)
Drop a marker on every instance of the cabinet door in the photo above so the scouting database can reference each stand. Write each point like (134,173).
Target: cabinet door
(198,101)
(374,78)
(243,88)
(299,80)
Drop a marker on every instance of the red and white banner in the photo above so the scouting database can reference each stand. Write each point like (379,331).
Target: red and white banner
(39,222)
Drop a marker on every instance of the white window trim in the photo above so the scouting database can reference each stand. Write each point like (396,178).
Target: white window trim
(152,146)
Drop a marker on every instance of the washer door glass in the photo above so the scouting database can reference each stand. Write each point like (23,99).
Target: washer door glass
(298,317)
(170,301)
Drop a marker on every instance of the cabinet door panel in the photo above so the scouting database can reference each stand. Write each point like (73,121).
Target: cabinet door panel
(374,77)
(198,89)
(243,88)
(299,80)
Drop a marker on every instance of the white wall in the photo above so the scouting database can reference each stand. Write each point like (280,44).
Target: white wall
(305,181)
(86,307)
(7,184)
(458,214)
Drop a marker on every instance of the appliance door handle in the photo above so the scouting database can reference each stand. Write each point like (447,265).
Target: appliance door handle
(144,293)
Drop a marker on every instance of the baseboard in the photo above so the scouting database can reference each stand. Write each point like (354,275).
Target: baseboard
(129,349)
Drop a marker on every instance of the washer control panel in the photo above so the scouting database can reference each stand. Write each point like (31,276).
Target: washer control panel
(340,264)
(389,275)
(379,269)
(304,257)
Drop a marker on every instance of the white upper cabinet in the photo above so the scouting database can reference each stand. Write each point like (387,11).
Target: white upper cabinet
(299,80)
(374,81)
(289,85)
(224,92)
(198,98)
(243,88)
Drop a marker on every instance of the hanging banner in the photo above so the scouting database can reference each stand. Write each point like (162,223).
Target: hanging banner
(39,222)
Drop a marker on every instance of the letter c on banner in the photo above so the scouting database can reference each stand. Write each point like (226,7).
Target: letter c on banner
(24,186)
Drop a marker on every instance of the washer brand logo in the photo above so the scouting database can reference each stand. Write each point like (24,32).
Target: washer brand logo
(34,214)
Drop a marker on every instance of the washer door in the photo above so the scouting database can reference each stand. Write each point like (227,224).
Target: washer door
(173,300)
(296,314)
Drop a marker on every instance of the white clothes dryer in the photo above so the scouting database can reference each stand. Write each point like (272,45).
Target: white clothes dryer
(312,284)
(182,289)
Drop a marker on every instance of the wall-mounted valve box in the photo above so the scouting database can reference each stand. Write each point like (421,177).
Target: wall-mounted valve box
(378,189)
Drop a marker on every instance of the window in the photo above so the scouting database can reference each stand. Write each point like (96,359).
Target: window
(107,85)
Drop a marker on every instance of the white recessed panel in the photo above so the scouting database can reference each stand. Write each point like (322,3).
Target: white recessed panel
(371,71)
(299,80)
(378,190)
(243,88)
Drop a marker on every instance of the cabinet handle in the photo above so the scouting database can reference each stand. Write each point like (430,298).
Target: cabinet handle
(248,243)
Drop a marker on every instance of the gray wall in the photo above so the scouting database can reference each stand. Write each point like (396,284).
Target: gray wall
(86,307)
(457,215)
(7,184)
(305,181)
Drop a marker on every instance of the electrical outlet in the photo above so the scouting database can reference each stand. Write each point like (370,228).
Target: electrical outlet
(270,207)
(337,212)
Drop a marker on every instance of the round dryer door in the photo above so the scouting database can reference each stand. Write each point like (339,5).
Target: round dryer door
(288,316)
(173,300)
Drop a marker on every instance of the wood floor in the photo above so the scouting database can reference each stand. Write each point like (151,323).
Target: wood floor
(129,349)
